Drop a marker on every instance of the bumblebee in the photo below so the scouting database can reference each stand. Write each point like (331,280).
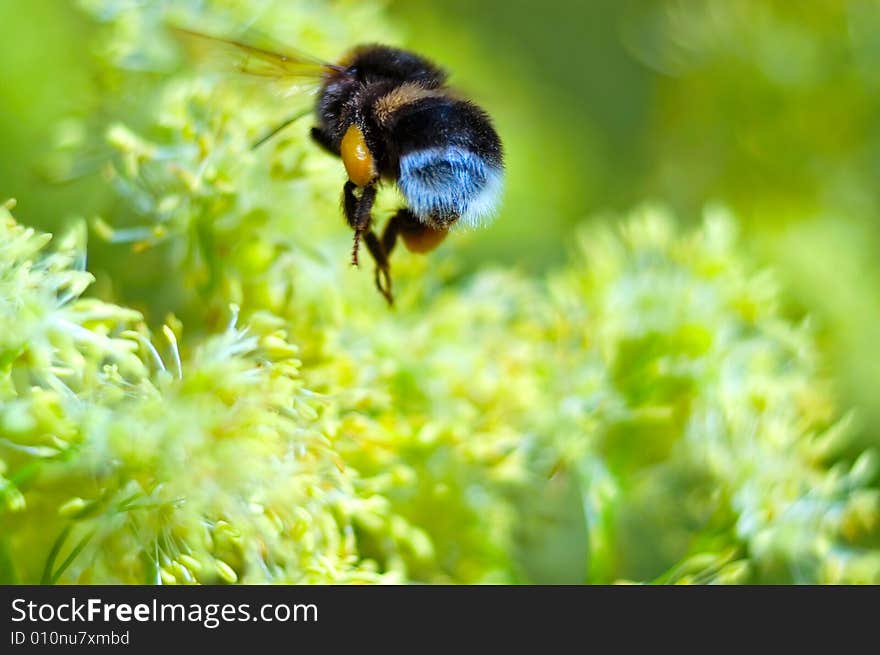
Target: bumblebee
(390,116)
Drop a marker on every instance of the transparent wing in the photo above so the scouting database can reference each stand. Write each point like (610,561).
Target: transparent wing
(278,64)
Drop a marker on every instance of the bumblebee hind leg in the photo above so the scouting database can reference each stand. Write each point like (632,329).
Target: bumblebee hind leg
(381,251)
(417,237)
(383,268)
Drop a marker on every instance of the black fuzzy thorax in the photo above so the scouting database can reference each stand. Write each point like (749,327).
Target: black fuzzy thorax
(370,72)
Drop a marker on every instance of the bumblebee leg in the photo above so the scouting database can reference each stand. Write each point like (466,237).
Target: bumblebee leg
(392,229)
(403,224)
(350,204)
(384,247)
(383,273)
(381,251)
(358,213)
(323,139)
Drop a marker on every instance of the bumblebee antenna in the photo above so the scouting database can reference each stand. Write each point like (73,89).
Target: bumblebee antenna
(283,124)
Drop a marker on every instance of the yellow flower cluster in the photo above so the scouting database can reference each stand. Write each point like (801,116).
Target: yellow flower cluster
(645,412)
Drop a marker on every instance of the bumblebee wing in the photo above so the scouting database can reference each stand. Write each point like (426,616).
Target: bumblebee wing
(280,64)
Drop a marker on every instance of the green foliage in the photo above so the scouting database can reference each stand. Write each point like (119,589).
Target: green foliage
(644,412)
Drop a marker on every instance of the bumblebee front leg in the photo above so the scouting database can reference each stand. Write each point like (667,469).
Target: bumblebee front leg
(358,212)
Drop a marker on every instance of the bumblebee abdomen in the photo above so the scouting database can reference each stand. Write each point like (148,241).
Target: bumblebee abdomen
(450,161)
(445,184)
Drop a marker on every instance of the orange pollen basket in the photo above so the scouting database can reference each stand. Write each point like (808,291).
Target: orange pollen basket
(357,157)
(424,240)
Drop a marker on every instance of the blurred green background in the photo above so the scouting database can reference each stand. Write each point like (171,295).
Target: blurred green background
(769,107)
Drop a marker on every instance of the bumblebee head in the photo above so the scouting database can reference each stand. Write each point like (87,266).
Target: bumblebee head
(378,63)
